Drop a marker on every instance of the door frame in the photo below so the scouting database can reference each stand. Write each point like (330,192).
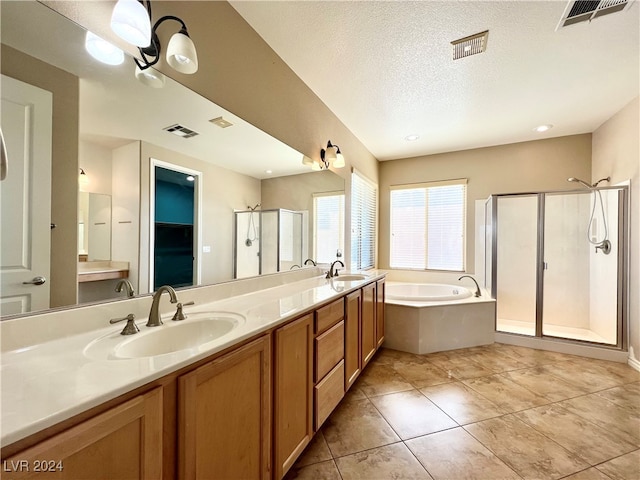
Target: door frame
(197,217)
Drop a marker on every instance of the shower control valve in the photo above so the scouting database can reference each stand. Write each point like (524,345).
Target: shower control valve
(605,247)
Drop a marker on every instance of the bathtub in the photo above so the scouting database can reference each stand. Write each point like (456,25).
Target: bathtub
(426,292)
(426,317)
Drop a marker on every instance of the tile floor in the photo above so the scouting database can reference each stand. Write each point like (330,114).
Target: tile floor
(491,412)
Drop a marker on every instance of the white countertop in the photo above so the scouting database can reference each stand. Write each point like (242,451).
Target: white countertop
(48,382)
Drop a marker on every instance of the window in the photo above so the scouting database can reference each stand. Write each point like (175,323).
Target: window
(428,226)
(363,222)
(328,226)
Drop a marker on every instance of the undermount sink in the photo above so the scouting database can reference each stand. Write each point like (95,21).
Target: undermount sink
(197,329)
(349,278)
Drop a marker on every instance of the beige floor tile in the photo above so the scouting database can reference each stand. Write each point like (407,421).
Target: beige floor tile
(422,373)
(589,474)
(621,421)
(411,414)
(545,384)
(620,372)
(454,454)
(461,367)
(626,467)
(317,451)
(626,396)
(388,356)
(528,452)
(590,442)
(497,361)
(380,379)
(505,393)
(356,426)
(389,462)
(534,357)
(317,471)
(462,403)
(581,375)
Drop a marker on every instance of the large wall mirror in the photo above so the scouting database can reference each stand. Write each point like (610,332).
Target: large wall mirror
(125,131)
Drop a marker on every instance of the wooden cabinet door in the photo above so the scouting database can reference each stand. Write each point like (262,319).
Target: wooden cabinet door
(352,364)
(380,312)
(124,442)
(369,342)
(293,389)
(224,416)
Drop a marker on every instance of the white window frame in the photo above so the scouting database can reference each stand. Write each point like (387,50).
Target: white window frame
(364,222)
(423,263)
(340,225)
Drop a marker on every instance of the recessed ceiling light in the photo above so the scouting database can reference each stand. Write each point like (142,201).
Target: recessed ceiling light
(543,128)
(412,138)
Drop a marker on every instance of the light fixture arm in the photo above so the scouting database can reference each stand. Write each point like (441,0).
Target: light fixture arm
(154,49)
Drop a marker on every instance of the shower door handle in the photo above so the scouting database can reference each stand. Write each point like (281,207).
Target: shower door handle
(545,266)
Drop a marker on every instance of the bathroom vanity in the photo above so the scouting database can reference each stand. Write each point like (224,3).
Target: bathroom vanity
(242,406)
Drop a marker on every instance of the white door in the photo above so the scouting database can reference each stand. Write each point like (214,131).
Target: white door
(25,198)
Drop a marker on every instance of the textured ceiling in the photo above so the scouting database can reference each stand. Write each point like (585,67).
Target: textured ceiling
(385,68)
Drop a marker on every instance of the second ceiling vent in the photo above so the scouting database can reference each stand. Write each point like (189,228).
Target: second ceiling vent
(586,10)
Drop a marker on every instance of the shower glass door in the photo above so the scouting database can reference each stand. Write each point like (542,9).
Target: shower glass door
(581,282)
(516,224)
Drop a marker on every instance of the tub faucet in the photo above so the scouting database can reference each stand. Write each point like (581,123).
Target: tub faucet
(478,293)
(154,314)
(126,284)
(334,273)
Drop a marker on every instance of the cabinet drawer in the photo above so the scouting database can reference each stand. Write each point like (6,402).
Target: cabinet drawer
(328,394)
(329,350)
(329,315)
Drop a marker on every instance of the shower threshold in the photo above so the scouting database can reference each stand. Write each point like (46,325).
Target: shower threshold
(559,331)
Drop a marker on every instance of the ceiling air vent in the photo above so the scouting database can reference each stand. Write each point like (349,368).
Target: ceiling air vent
(586,10)
(181,131)
(470,45)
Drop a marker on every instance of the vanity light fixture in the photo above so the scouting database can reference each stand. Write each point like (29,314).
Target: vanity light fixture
(83,178)
(150,77)
(131,21)
(331,156)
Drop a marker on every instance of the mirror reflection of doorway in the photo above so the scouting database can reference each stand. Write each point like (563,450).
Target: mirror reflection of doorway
(174,226)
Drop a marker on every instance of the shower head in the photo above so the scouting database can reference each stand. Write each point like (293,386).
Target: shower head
(605,179)
(574,179)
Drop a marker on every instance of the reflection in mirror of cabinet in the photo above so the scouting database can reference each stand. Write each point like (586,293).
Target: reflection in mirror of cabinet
(94,226)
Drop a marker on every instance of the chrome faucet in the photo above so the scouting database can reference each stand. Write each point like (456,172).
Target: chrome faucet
(331,273)
(154,314)
(126,284)
(478,293)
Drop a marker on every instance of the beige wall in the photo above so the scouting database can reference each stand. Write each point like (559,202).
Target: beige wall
(616,153)
(64,166)
(520,167)
(223,191)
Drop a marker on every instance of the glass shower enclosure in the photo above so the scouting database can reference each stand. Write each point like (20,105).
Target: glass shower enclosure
(556,263)
(268,241)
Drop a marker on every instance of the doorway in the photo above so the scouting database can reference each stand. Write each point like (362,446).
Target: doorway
(175,221)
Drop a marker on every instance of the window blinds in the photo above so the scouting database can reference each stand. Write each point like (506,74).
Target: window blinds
(363,222)
(428,226)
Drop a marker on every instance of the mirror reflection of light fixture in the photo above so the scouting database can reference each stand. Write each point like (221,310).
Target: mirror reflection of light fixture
(102,50)
(131,21)
(331,156)
(83,179)
(150,77)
